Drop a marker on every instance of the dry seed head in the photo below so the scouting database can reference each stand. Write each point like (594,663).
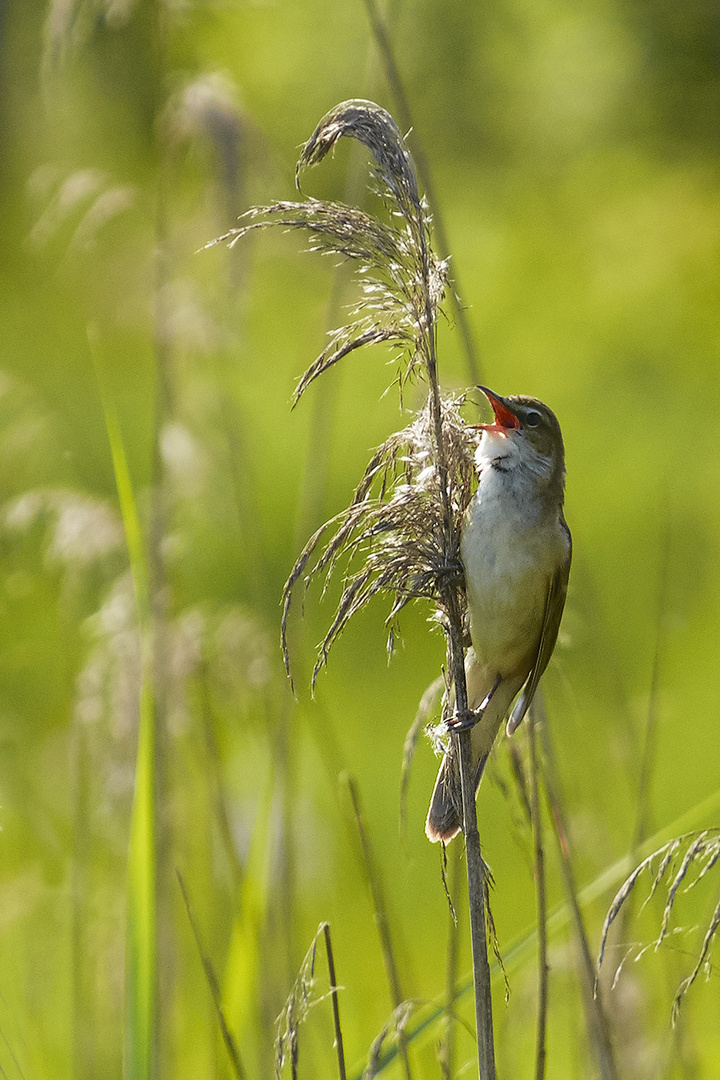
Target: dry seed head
(390,539)
(400,534)
(401,282)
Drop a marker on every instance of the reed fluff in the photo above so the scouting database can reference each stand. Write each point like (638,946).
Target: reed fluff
(401,281)
(400,534)
(390,538)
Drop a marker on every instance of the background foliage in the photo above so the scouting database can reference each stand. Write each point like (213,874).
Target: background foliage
(575,158)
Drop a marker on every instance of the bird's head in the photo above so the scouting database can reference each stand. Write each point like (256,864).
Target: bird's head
(527,432)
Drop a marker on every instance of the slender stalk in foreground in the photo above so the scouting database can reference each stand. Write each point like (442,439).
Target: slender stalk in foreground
(141,1028)
(213,985)
(540,900)
(335,1003)
(456,657)
(475,864)
(297,1009)
(381,917)
(598,1027)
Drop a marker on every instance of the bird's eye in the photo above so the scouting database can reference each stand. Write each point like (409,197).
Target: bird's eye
(533,418)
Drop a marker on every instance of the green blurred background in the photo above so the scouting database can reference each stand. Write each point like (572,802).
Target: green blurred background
(575,156)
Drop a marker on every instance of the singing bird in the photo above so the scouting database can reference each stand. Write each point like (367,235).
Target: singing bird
(516,549)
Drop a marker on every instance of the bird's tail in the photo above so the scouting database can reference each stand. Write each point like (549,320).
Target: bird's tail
(445,815)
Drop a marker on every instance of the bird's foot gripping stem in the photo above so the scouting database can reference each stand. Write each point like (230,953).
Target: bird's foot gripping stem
(465,719)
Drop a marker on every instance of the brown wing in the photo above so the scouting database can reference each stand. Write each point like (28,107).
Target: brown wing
(554,605)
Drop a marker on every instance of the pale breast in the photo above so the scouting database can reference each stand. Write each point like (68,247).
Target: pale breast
(510,549)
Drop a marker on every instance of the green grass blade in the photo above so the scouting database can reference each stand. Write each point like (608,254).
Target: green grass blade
(242,968)
(142,933)
(141,945)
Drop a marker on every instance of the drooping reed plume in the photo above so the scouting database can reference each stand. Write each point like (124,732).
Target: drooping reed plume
(400,533)
(682,863)
(390,538)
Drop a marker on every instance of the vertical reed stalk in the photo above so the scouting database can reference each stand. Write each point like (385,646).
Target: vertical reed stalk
(214,986)
(84,1043)
(540,898)
(335,1003)
(411,535)
(159,12)
(456,658)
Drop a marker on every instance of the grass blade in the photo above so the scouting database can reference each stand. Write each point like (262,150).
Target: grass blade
(213,986)
(382,921)
(335,1003)
(243,963)
(141,943)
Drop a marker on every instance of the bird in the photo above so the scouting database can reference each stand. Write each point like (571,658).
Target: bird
(515,549)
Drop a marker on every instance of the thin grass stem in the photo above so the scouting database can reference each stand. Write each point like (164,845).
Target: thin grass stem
(214,761)
(213,986)
(372,876)
(598,1026)
(456,657)
(335,1003)
(84,1056)
(647,761)
(540,899)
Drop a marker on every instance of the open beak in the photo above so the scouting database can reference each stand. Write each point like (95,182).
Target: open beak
(505,418)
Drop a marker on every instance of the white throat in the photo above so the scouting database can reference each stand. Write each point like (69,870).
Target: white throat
(509,464)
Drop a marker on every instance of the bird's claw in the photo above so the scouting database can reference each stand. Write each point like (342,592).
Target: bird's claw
(463,720)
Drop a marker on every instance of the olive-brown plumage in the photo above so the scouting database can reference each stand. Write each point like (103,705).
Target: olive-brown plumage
(516,551)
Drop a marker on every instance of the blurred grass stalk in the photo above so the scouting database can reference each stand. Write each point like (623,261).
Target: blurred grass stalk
(142,938)
(213,985)
(599,1034)
(379,26)
(377,894)
(540,897)
(243,966)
